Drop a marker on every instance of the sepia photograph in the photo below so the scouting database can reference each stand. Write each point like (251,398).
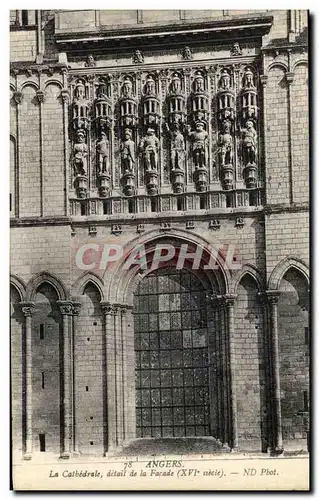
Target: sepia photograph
(159,250)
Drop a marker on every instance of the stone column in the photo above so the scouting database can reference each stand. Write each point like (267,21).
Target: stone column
(76,312)
(108,312)
(277,444)
(124,371)
(27,309)
(66,311)
(229,300)
(223,368)
(268,371)
(118,374)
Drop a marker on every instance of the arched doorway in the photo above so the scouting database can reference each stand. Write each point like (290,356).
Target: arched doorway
(172,356)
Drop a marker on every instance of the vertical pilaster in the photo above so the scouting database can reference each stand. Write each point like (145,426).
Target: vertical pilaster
(66,311)
(229,300)
(17,96)
(40,97)
(263,128)
(27,309)
(65,99)
(109,329)
(277,443)
(290,79)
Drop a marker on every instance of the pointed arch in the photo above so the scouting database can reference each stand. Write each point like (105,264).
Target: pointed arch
(19,285)
(121,283)
(250,270)
(86,278)
(46,277)
(283,266)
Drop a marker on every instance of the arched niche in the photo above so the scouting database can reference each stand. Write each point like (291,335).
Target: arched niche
(90,373)
(294,338)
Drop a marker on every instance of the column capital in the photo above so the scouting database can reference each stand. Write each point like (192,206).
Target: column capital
(107,308)
(229,299)
(65,94)
(27,308)
(40,96)
(125,307)
(272,296)
(76,308)
(66,307)
(290,77)
(17,96)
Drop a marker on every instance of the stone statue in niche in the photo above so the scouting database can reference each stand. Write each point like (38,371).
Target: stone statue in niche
(79,91)
(127,151)
(198,138)
(175,84)
(224,82)
(102,154)
(127,88)
(80,153)
(198,82)
(249,79)
(148,146)
(226,148)
(249,144)
(187,54)
(90,62)
(149,88)
(236,50)
(138,57)
(177,147)
(102,92)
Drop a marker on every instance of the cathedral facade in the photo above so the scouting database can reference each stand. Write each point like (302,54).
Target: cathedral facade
(159,229)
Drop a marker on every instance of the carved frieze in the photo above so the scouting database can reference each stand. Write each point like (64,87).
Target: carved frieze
(185,127)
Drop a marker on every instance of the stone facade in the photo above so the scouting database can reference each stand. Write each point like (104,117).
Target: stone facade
(197,137)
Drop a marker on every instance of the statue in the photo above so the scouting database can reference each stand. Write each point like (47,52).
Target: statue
(176,84)
(102,154)
(127,87)
(149,148)
(249,79)
(90,63)
(101,92)
(80,152)
(187,54)
(79,91)
(249,143)
(224,81)
(236,50)
(177,148)
(138,57)
(226,144)
(199,141)
(198,82)
(127,151)
(150,86)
